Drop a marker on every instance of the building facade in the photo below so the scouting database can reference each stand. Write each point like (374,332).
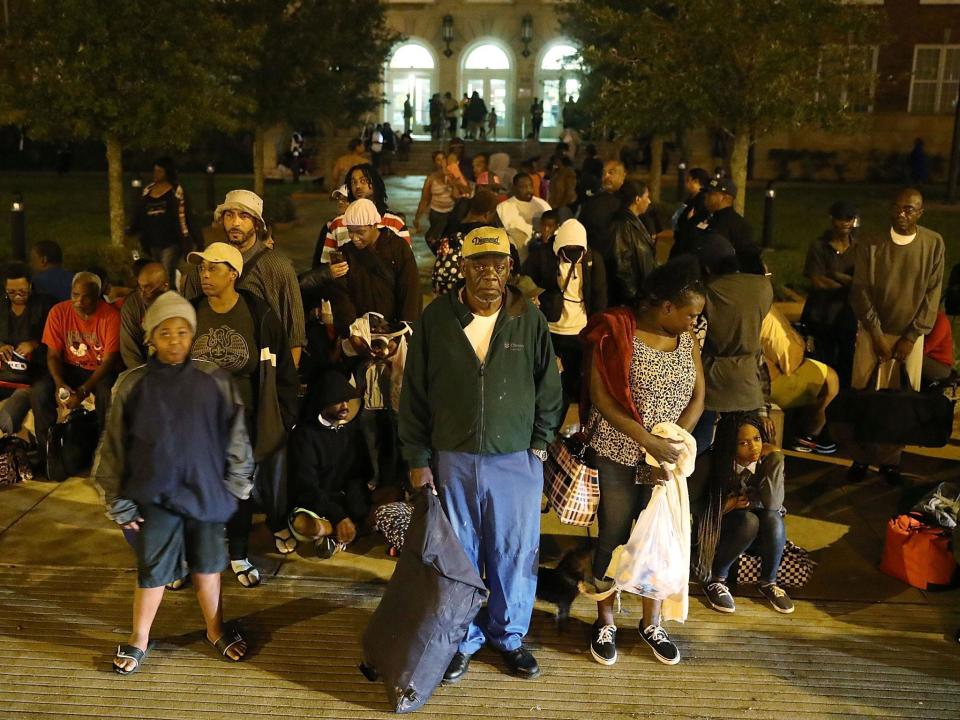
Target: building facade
(509,51)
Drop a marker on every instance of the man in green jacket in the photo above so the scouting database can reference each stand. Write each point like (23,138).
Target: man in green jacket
(481,400)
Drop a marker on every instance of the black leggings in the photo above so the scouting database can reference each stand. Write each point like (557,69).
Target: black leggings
(621,502)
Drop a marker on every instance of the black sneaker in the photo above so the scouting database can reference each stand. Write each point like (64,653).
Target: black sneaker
(603,643)
(663,648)
(719,596)
(857,472)
(825,444)
(804,444)
(778,598)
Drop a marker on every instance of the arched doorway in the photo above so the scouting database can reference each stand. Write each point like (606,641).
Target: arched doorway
(411,70)
(559,79)
(488,70)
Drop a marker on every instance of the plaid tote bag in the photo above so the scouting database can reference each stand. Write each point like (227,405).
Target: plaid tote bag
(795,568)
(572,485)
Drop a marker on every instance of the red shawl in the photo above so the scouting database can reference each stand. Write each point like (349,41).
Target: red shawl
(610,334)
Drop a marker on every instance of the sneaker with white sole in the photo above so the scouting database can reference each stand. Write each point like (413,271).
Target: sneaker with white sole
(778,598)
(603,643)
(658,640)
(719,596)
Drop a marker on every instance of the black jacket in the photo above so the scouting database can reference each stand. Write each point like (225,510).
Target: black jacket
(277,383)
(692,214)
(596,215)
(38,307)
(634,258)
(543,266)
(328,470)
(729,223)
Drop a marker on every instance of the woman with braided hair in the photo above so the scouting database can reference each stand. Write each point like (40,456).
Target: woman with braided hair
(744,510)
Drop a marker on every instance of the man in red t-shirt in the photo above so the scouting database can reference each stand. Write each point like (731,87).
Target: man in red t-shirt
(82,336)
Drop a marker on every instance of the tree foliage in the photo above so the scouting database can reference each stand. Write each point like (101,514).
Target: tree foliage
(149,73)
(746,67)
(316,59)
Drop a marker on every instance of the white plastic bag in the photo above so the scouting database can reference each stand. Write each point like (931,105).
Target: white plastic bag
(651,563)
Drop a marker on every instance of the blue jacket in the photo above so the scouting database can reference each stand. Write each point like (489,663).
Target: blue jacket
(175,437)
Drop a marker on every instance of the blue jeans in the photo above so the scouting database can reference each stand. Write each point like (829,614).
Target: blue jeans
(621,502)
(493,504)
(742,529)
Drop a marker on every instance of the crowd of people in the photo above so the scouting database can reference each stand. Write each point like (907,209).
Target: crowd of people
(226,383)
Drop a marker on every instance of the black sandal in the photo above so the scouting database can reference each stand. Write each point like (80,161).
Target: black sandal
(129,652)
(231,636)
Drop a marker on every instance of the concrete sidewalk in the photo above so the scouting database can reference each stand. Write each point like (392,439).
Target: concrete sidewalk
(860,644)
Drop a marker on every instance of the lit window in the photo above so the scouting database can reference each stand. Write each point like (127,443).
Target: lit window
(936,78)
(412,56)
(487,57)
(559,57)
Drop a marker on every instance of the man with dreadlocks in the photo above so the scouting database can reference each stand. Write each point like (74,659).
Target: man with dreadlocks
(363,182)
(742,509)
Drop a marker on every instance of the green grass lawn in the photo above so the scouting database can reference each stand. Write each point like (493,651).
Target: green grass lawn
(73,211)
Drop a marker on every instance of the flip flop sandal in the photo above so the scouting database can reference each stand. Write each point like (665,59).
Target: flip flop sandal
(179,583)
(285,541)
(301,511)
(231,636)
(251,575)
(129,652)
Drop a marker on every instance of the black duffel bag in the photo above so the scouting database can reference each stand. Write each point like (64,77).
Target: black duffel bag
(434,594)
(71,445)
(895,416)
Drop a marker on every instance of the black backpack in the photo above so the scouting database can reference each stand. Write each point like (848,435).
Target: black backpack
(71,445)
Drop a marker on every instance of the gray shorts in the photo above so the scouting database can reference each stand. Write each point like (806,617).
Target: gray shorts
(167,541)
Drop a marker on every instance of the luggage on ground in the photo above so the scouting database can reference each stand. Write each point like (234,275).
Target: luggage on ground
(71,445)
(916,553)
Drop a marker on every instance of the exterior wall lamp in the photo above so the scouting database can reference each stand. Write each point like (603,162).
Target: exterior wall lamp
(446,33)
(526,34)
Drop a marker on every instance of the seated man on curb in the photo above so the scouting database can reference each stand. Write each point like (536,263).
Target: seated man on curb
(328,467)
(151,283)
(82,336)
(23,314)
(798,382)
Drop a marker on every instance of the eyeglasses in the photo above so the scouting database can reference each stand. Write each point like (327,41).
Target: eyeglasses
(908,210)
(17,293)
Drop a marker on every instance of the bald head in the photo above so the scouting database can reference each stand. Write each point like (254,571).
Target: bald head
(152,282)
(614,173)
(906,211)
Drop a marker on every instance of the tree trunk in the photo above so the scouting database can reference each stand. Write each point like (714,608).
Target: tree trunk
(738,168)
(258,178)
(656,167)
(115,186)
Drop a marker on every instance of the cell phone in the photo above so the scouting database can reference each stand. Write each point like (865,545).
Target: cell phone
(336,257)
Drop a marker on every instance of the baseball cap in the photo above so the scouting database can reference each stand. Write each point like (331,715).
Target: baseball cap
(486,241)
(712,247)
(723,185)
(218,252)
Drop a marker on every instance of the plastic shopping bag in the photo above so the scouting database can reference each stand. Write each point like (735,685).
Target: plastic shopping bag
(651,563)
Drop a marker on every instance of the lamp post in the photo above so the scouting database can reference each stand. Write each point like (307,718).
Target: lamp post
(526,34)
(211,191)
(769,196)
(18,228)
(136,187)
(681,180)
(446,33)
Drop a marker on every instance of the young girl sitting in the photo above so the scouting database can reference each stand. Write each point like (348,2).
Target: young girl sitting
(747,487)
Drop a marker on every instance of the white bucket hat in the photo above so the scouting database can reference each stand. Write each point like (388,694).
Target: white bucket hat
(244,200)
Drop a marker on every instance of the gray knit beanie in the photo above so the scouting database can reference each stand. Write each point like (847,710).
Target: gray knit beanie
(169,305)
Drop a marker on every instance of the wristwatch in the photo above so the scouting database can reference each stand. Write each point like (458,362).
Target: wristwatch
(542,454)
